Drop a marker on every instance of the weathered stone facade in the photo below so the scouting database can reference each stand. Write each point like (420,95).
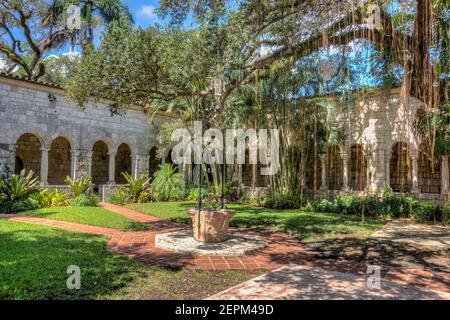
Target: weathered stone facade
(380,149)
(42,131)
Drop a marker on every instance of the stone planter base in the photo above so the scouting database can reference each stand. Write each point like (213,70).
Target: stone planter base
(211,225)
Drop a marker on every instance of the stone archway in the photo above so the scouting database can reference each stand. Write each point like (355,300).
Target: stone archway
(100,163)
(429,174)
(28,154)
(357,168)
(154,162)
(335,168)
(400,168)
(122,163)
(59,161)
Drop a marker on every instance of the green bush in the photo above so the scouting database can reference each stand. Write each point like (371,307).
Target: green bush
(119,197)
(18,187)
(323,205)
(84,200)
(388,205)
(427,211)
(15,192)
(283,201)
(80,186)
(167,183)
(138,189)
(194,192)
(50,198)
(8,206)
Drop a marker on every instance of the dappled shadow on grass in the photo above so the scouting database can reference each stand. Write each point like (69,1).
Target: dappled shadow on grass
(34,264)
(305,225)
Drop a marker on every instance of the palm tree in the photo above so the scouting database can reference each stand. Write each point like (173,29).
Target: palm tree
(93,13)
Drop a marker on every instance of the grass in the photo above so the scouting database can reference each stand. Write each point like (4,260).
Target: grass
(94,216)
(307,226)
(34,261)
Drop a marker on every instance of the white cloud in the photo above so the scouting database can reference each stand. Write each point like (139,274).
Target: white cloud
(147,12)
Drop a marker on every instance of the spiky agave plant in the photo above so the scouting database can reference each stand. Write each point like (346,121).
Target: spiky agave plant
(18,187)
(136,187)
(80,186)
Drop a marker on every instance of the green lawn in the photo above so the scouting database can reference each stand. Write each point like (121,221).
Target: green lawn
(34,261)
(307,226)
(95,216)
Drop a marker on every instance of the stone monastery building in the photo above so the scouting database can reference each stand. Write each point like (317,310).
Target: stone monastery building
(41,131)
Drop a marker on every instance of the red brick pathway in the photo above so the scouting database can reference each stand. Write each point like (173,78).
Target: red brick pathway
(61,224)
(281,250)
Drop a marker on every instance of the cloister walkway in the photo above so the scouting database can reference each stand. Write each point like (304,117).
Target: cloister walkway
(403,265)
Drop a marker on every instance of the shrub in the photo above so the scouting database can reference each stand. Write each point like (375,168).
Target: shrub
(50,198)
(324,205)
(120,197)
(167,183)
(194,192)
(427,211)
(80,186)
(59,199)
(8,206)
(43,197)
(84,200)
(283,201)
(15,192)
(18,187)
(138,189)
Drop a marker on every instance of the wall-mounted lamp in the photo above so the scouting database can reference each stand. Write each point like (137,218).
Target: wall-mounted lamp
(51,97)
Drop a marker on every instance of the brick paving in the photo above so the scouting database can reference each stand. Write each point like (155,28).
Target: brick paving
(306,283)
(281,251)
(61,224)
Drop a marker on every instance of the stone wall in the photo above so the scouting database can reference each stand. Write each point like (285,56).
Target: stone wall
(42,114)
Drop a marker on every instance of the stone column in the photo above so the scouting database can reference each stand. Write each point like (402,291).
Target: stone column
(415,173)
(143,165)
(344,157)
(44,165)
(444,175)
(89,163)
(387,169)
(74,164)
(368,171)
(12,160)
(112,168)
(323,163)
(134,165)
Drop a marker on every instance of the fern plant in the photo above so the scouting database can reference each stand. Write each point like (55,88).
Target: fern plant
(167,183)
(80,186)
(18,187)
(136,187)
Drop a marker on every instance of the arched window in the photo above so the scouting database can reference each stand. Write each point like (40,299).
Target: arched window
(357,168)
(400,168)
(154,162)
(335,172)
(429,174)
(28,152)
(59,161)
(123,162)
(100,163)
